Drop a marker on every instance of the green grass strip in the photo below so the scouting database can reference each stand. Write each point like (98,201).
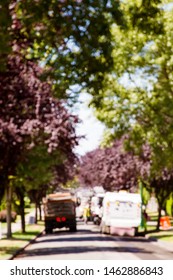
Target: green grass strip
(19,240)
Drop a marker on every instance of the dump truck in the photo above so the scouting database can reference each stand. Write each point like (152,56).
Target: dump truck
(59,212)
(121,213)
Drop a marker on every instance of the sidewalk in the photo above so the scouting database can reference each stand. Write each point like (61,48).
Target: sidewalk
(163,244)
(16,226)
(154,237)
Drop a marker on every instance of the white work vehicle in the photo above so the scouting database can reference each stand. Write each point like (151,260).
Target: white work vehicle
(121,213)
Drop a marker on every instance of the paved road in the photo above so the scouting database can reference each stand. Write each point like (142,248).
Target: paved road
(88,244)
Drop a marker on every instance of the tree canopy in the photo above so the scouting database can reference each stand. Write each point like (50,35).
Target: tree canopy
(111,167)
(30,116)
(71,38)
(137,98)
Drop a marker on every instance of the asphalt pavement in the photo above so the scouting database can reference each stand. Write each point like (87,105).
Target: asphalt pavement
(29,218)
(88,243)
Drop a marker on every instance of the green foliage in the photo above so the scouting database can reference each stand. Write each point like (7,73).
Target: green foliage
(169,206)
(3,204)
(5,23)
(146,196)
(71,38)
(72,184)
(36,167)
(137,98)
(9,247)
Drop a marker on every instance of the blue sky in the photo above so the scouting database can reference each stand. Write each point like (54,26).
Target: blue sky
(90,127)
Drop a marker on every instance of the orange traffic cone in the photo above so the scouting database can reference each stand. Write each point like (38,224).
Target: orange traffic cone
(165,222)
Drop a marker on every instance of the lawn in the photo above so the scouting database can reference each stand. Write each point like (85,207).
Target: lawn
(164,235)
(19,240)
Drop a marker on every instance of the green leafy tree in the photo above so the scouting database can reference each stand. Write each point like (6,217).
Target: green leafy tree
(35,171)
(162,187)
(71,38)
(40,172)
(5,24)
(74,39)
(137,98)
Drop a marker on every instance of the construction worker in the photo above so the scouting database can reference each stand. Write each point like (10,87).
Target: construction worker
(86,213)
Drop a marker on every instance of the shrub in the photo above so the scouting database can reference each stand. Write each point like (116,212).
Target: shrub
(3,216)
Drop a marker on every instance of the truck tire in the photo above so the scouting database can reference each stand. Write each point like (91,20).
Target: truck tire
(48,227)
(107,229)
(136,232)
(48,230)
(72,227)
(104,228)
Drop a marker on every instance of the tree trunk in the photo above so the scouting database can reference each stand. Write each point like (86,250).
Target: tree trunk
(36,213)
(22,212)
(40,212)
(159,216)
(8,206)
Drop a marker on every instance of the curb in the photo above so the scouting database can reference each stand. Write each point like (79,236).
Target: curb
(162,244)
(24,247)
